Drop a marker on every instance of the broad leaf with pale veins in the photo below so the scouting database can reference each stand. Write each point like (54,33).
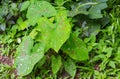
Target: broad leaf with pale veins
(75,47)
(28,56)
(95,10)
(54,35)
(38,9)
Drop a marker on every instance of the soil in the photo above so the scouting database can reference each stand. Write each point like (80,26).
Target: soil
(6,60)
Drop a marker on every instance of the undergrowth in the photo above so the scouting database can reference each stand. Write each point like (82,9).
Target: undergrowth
(60,39)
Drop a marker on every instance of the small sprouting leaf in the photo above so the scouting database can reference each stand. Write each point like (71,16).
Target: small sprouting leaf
(28,56)
(25,5)
(19,20)
(112,64)
(56,64)
(14,30)
(33,33)
(70,67)
(24,25)
(75,47)
(3,26)
(117,57)
(59,2)
(38,9)
(41,62)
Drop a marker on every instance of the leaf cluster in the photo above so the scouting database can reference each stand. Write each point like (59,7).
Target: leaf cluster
(62,38)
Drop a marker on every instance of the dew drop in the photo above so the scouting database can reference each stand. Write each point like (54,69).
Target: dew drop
(68,48)
(20,64)
(28,68)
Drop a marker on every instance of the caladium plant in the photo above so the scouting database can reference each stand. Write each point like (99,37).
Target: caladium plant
(52,35)
(52,29)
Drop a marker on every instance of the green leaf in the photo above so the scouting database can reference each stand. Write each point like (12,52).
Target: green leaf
(46,28)
(54,35)
(80,8)
(62,31)
(56,64)
(13,30)
(25,5)
(2,26)
(41,62)
(95,10)
(37,53)
(102,0)
(117,57)
(28,56)
(22,24)
(92,28)
(38,9)
(75,47)
(19,20)
(33,33)
(26,46)
(112,64)
(70,67)
(59,2)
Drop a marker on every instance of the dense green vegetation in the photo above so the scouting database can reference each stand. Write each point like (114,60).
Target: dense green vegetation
(60,39)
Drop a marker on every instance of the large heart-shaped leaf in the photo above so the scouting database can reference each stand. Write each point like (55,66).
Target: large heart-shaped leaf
(54,35)
(28,56)
(75,47)
(38,9)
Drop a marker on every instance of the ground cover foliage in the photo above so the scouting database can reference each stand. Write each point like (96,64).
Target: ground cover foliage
(59,39)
